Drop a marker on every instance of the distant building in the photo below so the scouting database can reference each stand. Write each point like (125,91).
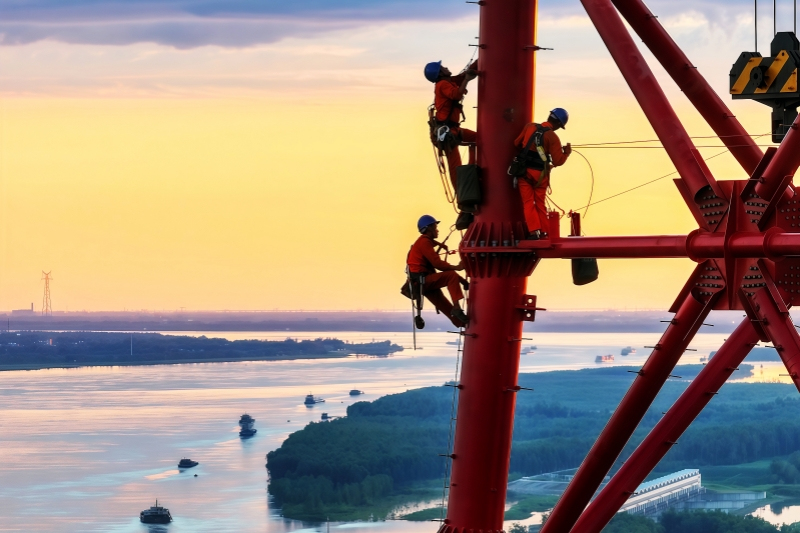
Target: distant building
(653,497)
(23,312)
(679,490)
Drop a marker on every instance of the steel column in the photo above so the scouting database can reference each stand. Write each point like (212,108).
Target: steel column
(693,85)
(482,446)
(626,418)
(668,430)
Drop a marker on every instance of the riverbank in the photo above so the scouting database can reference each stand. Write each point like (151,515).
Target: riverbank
(333,355)
(41,350)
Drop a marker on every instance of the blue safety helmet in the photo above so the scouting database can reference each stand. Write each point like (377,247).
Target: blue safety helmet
(432,71)
(425,221)
(561,114)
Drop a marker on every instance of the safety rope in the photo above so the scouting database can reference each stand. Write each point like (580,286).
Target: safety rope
(456,381)
(591,188)
(586,145)
(655,180)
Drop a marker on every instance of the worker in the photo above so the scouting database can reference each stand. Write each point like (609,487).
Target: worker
(423,262)
(446,130)
(544,153)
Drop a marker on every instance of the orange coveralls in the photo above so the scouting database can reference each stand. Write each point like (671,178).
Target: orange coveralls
(447,98)
(423,259)
(533,190)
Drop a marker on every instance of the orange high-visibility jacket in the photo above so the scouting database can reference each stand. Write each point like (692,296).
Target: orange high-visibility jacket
(447,98)
(423,259)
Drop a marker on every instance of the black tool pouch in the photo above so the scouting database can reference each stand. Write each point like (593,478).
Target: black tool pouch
(584,270)
(468,187)
(464,220)
(517,168)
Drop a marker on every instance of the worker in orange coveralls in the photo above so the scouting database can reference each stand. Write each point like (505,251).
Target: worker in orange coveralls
(423,262)
(448,93)
(545,152)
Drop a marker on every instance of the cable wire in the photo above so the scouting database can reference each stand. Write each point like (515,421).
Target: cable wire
(655,180)
(659,140)
(591,189)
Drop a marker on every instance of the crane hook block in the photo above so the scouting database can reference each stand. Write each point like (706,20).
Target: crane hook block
(771,81)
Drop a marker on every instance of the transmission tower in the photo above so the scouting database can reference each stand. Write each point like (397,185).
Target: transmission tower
(47,306)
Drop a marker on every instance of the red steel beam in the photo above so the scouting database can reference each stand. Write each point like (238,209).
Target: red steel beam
(777,324)
(627,416)
(651,98)
(696,245)
(784,163)
(669,429)
(693,85)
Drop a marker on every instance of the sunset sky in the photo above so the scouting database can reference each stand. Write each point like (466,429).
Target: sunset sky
(243,154)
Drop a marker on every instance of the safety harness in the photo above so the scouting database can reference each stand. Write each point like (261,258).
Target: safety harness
(536,159)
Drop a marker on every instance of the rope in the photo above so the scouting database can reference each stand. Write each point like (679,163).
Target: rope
(655,180)
(591,190)
(659,140)
(452,420)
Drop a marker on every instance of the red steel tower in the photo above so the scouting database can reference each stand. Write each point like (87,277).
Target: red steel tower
(499,273)
(747,250)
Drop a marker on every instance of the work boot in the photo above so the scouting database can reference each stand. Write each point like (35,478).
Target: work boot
(419,322)
(534,235)
(460,315)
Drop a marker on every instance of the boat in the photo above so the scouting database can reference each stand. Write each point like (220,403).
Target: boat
(453,343)
(325,416)
(311,400)
(356,392)
(247,432)
(187,463)
(246,423)
(604,359)
(155,515)
(529,350)
(628,350)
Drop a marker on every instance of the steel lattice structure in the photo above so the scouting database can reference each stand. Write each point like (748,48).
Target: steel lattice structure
(747,250)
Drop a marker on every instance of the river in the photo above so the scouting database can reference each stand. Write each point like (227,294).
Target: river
(86,449)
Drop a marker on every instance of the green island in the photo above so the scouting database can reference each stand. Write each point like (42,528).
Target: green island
(25,350)
(385,453)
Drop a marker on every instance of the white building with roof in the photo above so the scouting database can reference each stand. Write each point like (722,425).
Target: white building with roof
(660,493)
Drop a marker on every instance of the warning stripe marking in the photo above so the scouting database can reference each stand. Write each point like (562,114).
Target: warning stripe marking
(772,72)
(744,77)
(791,84)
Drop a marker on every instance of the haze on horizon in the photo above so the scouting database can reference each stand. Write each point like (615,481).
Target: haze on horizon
(267,155)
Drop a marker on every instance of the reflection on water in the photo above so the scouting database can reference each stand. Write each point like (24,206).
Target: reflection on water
(787,512)
(86,449)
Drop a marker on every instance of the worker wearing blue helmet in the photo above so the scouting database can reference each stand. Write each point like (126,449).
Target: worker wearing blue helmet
(423,262)
(543,151)
(447,113)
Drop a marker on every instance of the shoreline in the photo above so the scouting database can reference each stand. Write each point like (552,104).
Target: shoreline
(43,366)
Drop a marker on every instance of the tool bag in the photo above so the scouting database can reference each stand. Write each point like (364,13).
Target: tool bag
(468,187)
(464,220)
(584,270)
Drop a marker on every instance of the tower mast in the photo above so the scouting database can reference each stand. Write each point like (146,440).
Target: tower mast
(482,446)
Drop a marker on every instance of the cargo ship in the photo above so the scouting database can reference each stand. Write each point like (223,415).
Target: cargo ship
(246,423)
(604,359)
(311,400)
(155,515)
(628,350)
